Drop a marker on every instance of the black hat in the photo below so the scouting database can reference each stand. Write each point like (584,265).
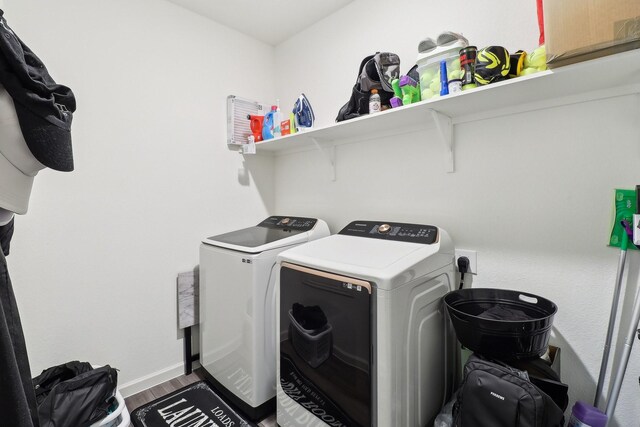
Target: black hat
(44,108)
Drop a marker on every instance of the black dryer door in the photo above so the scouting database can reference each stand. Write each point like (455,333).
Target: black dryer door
(325,344)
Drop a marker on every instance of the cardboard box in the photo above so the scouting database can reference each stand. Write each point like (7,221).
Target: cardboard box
(557,390)
(578,30)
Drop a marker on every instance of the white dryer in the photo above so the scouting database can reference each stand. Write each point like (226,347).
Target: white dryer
(237,308)
(363,340)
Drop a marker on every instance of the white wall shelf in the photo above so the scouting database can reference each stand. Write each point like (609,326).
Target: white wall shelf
(602,78)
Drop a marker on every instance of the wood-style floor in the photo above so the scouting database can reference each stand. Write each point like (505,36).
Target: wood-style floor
(165,388)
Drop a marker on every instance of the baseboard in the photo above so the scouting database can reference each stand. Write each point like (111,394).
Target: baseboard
(143,383)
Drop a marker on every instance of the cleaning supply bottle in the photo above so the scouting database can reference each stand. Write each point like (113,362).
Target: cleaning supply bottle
(375,106)
(292,123)
(584,415)
(267,124)
(277,119)
(444,81)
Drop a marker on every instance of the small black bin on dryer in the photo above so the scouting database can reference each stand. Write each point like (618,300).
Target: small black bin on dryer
(478,317)
(312,345)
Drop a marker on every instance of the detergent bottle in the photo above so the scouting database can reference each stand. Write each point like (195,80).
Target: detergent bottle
(268,124)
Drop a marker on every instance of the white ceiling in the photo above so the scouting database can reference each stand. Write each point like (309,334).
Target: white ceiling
(272,21)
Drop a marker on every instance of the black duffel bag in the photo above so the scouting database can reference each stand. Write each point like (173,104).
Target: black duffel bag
(74,394)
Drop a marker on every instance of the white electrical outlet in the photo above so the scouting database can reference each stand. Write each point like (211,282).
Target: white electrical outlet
(473,259)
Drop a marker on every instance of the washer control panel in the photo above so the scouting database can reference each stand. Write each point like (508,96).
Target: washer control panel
(289,222)
(416,233)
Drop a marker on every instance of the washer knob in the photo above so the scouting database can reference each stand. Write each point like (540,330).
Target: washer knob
(285,221)
(384,228)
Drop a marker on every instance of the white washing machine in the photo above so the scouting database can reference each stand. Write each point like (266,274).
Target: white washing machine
(363,339)
(237,307)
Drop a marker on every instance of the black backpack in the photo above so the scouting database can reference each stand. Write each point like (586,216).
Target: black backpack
(494,394)
(74,394)
(376,72)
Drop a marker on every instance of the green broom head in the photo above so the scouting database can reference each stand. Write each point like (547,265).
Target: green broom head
(625,206)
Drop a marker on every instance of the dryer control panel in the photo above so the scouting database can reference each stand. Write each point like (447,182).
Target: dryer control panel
(416,233)
(289,222)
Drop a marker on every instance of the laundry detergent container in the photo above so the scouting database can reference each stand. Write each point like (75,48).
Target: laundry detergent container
(501,324)
(429,66)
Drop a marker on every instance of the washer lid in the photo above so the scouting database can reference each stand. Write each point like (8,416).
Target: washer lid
(274,232)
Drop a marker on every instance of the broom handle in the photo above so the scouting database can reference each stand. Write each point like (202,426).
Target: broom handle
(622,367)
(612,322)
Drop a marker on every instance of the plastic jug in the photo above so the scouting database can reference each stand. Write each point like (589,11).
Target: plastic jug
(268,124)
(584,415)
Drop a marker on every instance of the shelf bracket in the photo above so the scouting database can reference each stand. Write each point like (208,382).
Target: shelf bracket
(445,130)
(329,154)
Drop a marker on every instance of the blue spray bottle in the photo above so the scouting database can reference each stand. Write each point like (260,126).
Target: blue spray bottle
(444,81)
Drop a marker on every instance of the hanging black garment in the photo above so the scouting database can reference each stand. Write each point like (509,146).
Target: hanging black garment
(6,233)
(17,398)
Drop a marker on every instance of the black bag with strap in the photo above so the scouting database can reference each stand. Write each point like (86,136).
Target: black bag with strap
(74,394)
(494,394)
(376,72)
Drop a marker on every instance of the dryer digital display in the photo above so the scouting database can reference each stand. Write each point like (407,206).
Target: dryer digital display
(325,344)
(398,231)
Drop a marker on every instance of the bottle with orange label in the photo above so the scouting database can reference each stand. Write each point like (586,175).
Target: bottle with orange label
(375,106)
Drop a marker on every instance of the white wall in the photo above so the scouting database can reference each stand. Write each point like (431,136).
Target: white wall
(95,259)
(532,193)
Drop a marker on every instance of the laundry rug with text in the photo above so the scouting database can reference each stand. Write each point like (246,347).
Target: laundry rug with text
(194,405)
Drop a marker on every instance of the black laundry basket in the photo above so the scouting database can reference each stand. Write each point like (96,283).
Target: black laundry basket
(525,337)
(312,345)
